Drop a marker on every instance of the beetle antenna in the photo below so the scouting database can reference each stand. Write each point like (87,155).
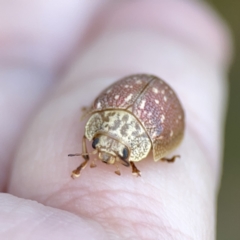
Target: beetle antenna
(81,154)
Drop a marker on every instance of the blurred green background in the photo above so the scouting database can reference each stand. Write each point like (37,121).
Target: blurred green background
(228,221)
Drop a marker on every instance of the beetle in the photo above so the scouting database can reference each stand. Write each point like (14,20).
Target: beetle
(133,116)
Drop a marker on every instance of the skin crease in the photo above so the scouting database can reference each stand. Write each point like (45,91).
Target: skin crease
(169,201)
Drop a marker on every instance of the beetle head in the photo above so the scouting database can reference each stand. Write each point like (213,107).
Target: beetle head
(110,150)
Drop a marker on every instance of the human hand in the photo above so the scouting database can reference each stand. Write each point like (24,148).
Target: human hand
(56,58)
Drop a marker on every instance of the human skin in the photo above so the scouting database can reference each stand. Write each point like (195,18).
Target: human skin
(55,59)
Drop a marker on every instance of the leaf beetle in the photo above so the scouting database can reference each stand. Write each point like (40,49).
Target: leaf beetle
(135,115)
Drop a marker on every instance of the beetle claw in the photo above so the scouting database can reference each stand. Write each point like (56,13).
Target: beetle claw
(170,160)
(93,164)
(118,172)
(135,171)
(75,174)
(137,174)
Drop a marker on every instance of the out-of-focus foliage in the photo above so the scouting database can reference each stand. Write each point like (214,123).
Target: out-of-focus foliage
(228,221)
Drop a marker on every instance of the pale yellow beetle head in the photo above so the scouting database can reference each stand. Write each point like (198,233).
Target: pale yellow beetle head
(110,150)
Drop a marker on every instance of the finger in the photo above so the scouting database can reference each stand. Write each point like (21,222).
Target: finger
(34,44)
(22,219)
(43,34)
(172,201)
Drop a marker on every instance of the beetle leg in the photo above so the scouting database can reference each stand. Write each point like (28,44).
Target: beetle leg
(84,148)
(125,163)
(135,171)
(93,164)
(117,171)
(170,159)
(76,172)
(85,112)
(84,109)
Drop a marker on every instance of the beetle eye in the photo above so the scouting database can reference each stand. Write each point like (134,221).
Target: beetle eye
(95,142)
(125,153)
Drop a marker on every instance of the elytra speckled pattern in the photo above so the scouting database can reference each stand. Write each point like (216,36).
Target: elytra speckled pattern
(153,103)
(160,111)
(122,94)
